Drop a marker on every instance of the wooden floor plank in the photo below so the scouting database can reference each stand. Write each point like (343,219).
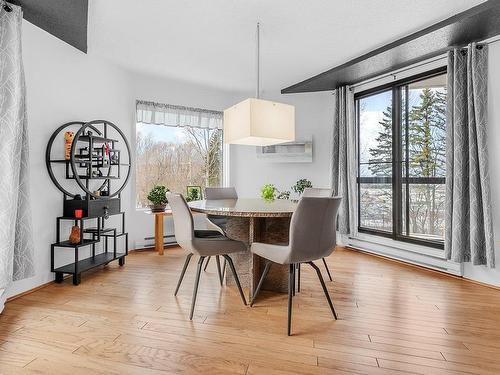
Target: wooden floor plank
(394,320)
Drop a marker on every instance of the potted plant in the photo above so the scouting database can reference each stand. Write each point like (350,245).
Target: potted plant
(268,192)
(158,197)
(285,194)
(193,193)
(301,185)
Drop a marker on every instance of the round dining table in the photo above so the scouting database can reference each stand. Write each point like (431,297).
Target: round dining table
(253,220)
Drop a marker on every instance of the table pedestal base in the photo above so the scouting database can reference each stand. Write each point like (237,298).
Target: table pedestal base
(273,230)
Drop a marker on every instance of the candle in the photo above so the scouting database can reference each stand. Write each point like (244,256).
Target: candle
(78,214)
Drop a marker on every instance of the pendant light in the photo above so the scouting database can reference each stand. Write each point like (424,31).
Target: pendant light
(258,122)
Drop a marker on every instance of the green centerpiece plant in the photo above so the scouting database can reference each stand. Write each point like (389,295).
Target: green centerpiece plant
(158,197)
(268,192)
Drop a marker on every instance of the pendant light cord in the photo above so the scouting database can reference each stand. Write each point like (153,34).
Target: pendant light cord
(257,91)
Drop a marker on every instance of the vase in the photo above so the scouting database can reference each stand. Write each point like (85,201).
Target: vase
(68,141)
(157,207)
(74,237)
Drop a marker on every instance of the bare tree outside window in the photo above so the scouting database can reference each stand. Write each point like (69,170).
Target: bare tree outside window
(176,157)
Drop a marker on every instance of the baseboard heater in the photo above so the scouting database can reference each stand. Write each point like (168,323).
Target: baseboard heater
(168,240)
(407,256)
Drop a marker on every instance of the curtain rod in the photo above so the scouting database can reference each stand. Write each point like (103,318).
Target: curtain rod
(393,74)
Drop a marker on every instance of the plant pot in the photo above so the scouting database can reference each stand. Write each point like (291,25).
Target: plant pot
(157,207)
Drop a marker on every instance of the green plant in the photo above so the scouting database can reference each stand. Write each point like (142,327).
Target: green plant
(301,184)
(284,194)
(193,193)
(268,192)
(157,195)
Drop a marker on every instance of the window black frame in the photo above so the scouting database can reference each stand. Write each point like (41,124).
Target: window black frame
(396,179)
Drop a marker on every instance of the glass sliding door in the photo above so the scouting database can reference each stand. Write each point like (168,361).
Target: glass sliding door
(375,161)
(402,135)
(424,167)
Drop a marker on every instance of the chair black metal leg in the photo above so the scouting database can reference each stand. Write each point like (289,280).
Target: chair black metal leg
(217,259)
(298,277)
(261,281)
(327,295)
(290,297)
(206,264)
(293,277)
(188,258)
(224,268)
(231,265)
(327,270)
(196,282)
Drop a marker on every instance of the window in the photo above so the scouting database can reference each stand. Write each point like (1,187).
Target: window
(176,147)
(401,160)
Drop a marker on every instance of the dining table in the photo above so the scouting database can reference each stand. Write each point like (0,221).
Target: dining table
(253,220)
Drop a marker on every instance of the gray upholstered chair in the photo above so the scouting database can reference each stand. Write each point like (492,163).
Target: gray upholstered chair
(201,243)
(217,193)
(312,237)
(214,193)
(317,192)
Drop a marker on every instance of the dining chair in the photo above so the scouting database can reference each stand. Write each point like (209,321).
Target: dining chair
(317,192)
(216,193)
(200,242)
(312,237)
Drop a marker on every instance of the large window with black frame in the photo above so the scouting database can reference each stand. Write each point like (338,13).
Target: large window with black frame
(401,156)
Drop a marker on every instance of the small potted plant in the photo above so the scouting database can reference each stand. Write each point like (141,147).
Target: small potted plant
(158,197)
(268,192)
(285,194)
(193,193)
(301,185)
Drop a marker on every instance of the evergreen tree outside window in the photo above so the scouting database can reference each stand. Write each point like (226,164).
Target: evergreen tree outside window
(402,130)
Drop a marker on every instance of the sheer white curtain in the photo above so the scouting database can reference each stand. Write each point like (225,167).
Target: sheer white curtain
(175,115)
(16,241)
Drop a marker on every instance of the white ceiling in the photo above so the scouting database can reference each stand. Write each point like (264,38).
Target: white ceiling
(212,42)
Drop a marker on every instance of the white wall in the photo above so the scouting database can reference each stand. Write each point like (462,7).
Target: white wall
(481,273)
(314,115)
(66,85)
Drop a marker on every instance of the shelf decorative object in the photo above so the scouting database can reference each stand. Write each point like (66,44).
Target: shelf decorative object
(95,162)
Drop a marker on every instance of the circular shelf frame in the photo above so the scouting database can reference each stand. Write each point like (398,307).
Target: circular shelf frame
(91,125)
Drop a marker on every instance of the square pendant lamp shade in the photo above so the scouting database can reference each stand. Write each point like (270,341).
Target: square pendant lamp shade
(258,122)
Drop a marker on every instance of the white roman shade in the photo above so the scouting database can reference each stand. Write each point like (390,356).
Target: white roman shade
(176,115)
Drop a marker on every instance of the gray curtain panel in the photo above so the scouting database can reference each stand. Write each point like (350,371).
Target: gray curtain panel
(469,227)
(342,135)
(16,241)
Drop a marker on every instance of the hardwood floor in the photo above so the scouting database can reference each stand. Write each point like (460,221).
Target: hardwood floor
(394,319)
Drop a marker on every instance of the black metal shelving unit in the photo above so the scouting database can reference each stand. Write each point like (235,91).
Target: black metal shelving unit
(82,167)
